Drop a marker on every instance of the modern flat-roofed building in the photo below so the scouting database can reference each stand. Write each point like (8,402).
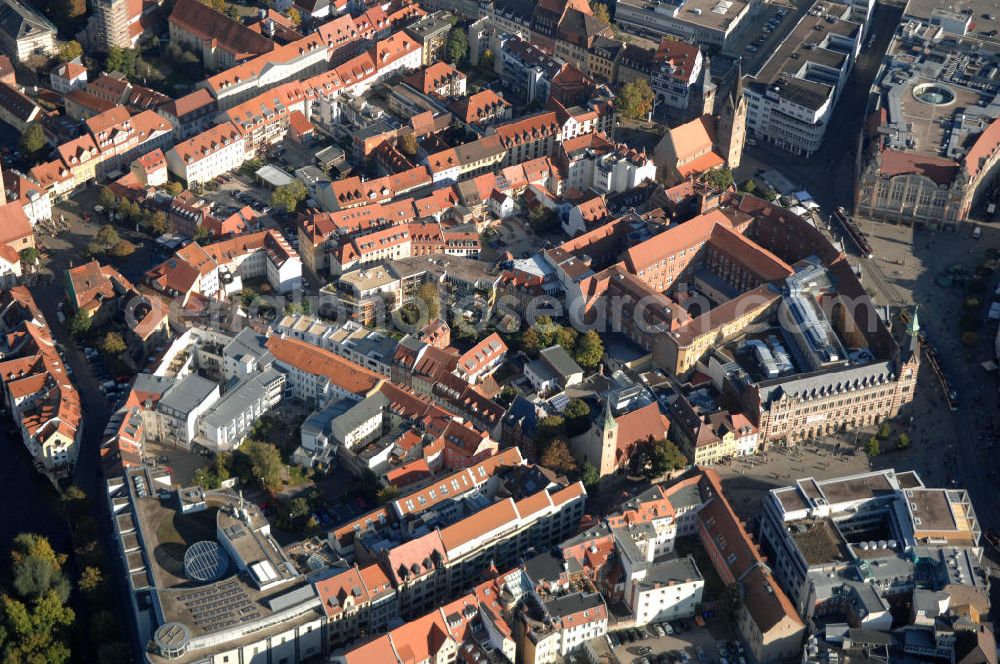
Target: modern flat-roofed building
(853,546)
(228,590)
(791,99)
(714,25)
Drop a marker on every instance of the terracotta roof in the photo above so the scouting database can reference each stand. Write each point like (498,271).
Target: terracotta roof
(702,164)
(482,354)
(479,105)
(940,170)
(92,281)
(68,70)
(343,373)
(416,558)
(344,591)
(14,225)
(736,557)
(693,137)
(682,236)
(199,19)
(89,101)
(298,123)
(408,473)
(528,129)
(985,146)
(392,48)
(432,77)
(378,650)
(754,257)
(190,103)
(420,640)
(640,425)
(480,524)
(208,142)
(677,57)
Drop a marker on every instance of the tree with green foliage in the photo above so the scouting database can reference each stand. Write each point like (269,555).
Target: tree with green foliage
(532,340)
(408,145)
(34,632)
(575,409)
(589,350)
(387,494)
(601,12)
(80,323)
(550,426)
(32,140)
(200,235)
(487,59)
(566,338)
(873,448)
(29,255)
(458,45)
(70,50)
(558,457)
(298,508)
(113,344)
(884,431)
(266,464)
(720,179)
(749,187)
(107,236)
(34,617)
(732,600)
(289,196)
(121,60)
(158,222)
(173,188)
(90,579)
(577,415)
(903,441)
(635,100)
(108,199)
(428,293)
(122,249)
(590,476)
(664,457)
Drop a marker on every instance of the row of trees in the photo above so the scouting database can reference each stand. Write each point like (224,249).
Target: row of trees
(35,620)
(37,625)
(109,242)
(289,196)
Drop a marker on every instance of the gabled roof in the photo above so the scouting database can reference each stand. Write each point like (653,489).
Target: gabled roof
(479,105)
(350,377)
(434,76)
(199,19)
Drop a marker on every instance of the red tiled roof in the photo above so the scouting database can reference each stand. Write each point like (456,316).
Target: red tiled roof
(940,170)
(311,359)
(985,146)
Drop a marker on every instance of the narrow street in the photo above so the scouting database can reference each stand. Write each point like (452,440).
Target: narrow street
(829,174)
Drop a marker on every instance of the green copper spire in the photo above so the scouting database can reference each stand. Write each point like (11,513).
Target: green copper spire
(914,327)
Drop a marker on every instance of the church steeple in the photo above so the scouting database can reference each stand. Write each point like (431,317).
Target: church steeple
(913,327)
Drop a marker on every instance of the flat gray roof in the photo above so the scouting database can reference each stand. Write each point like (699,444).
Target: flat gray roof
(187,394)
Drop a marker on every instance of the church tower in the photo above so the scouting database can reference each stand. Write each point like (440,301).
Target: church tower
(732,123)
(609,440)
